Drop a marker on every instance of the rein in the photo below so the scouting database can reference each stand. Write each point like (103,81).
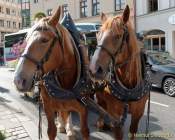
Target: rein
(45,58)
(124,38)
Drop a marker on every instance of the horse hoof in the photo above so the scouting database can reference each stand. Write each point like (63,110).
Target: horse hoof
(61,130)
(71,137)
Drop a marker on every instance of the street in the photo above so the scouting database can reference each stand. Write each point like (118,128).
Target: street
(162,114)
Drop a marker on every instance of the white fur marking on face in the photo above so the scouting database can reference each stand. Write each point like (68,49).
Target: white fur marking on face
(35,36)
(19,66)
(94,60)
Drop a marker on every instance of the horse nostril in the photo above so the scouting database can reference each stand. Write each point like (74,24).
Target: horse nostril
(23,82)
(20,83)
(99,70)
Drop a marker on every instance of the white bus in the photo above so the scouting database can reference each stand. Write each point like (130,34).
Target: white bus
(13,44)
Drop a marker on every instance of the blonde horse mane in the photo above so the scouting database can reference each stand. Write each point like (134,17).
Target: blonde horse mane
(115,24)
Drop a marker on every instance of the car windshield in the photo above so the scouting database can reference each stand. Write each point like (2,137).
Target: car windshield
(86,28)
(161,59)
(98,27)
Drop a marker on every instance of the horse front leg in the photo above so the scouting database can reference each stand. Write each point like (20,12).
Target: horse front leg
(61,123)
(137,111)
(83,113)
(118,133)
(134,126)
(66,116)
(52,129)
(101,122)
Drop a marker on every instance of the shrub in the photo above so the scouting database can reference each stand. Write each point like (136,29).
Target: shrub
(2,136)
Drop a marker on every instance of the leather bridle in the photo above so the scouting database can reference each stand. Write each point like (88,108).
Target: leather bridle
(39,64)
(113,54)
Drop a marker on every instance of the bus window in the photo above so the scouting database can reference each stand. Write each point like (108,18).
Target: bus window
(14,44)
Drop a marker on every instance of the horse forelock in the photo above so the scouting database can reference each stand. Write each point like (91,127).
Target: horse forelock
(41,25)
(114,24)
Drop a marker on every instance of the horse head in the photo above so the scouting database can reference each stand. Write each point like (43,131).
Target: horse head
(111,39)
(42,53)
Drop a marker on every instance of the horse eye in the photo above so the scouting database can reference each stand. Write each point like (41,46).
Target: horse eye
(44,40)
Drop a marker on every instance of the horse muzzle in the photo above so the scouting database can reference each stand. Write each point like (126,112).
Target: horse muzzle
(97,72)
(22,84)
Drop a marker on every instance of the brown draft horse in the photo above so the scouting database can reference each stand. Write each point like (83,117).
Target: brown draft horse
(110,39)
(47,34)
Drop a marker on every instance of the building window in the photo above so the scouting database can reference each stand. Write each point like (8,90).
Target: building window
(25,13)
(14,25)
(25,4)
(13,12)
(95,7)
(19,25)
(155,40)
(8,24)
(65,9)
(35,1)
(172,3)
(153,5)
(7,11)
(2,36)
(119,4)
(1,23)
(49,12)
(83,8)
(1,9)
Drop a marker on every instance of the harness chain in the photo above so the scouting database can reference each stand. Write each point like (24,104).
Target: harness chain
(148,110)
(148,119)
(40,115)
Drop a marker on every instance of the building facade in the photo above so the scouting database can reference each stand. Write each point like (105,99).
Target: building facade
(155,19)
(82,10)
(25,13)
(10,19)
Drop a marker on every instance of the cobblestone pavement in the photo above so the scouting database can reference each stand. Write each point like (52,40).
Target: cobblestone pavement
(19,117)
(14,123)
(10,123)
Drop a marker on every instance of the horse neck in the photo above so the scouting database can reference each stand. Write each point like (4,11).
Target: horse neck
(69,65)
(130,73)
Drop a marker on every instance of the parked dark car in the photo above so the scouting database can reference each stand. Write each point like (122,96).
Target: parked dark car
(162,71)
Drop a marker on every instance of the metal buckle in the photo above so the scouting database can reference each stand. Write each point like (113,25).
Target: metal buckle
(83,100)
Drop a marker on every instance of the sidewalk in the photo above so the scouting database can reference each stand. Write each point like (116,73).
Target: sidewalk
(14,122)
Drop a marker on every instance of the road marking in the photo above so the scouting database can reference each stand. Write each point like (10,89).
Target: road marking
(164,105)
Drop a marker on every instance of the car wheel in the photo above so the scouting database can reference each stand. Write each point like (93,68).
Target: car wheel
(169,86)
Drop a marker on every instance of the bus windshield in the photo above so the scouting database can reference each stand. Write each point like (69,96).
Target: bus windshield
(14,44)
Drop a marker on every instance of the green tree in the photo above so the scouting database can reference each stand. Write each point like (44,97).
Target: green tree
(39,15)
(2,136)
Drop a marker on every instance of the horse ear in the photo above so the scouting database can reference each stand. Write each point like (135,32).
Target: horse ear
(126,14)
(103,17)
(54,19)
